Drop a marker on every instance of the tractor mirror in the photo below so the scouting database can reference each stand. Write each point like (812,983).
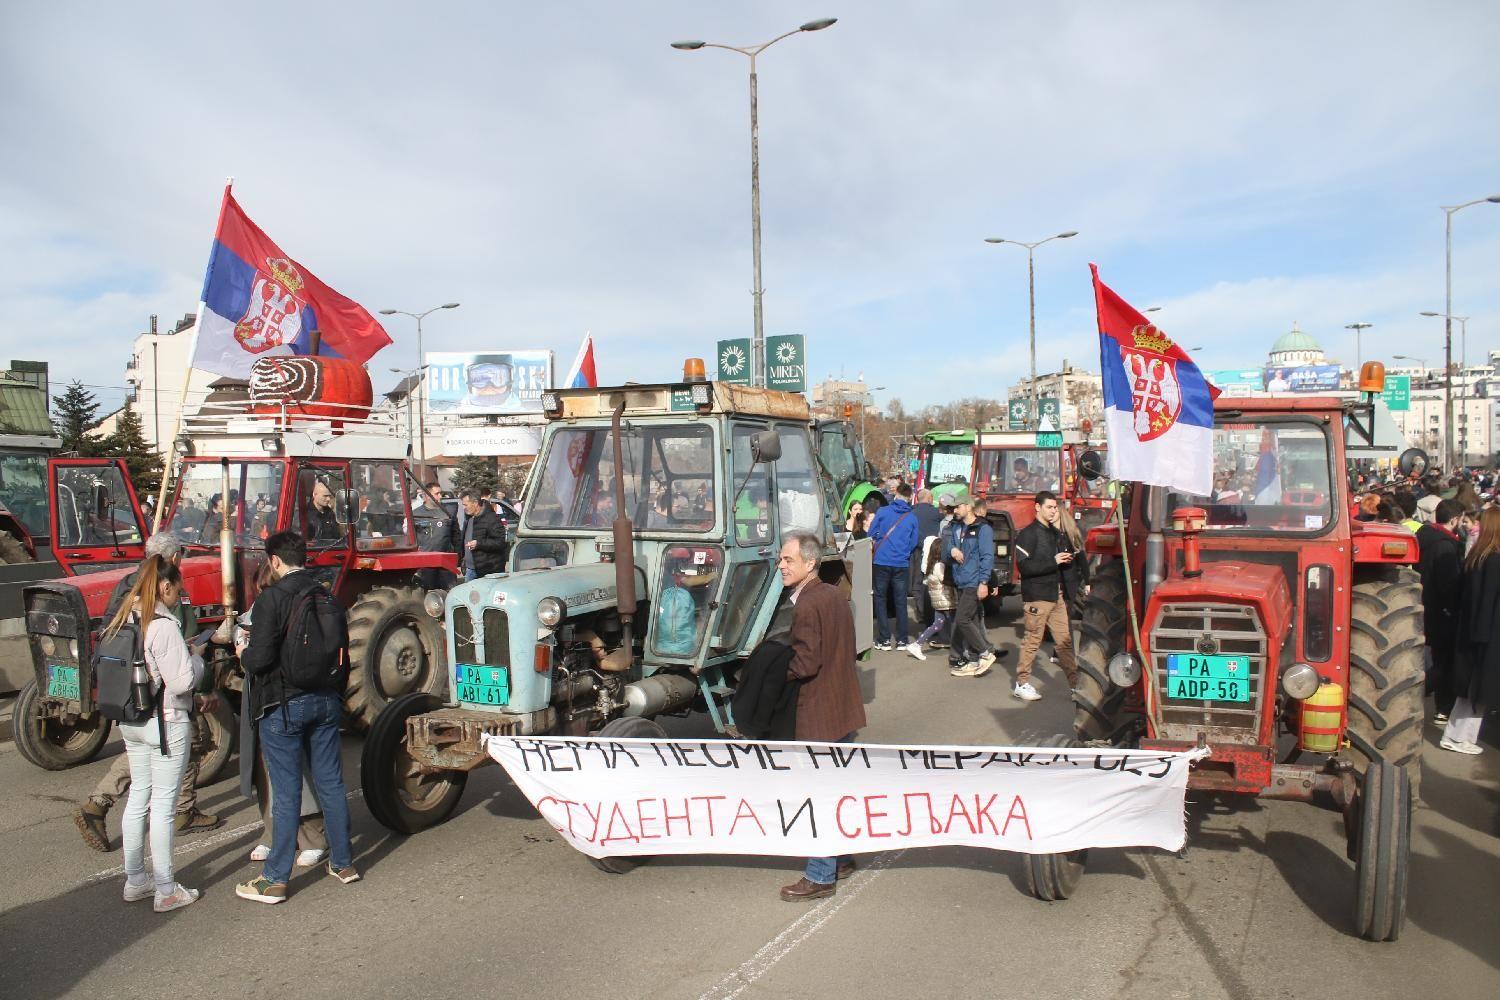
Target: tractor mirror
(1413,462)
(765,446)
(1091,465)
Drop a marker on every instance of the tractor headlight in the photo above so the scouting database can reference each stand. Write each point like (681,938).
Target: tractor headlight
(550,611)
(1124,669)
(1300,681)
(432,603)
(49,648)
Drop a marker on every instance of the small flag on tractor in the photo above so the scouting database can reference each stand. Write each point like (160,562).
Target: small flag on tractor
(582,375)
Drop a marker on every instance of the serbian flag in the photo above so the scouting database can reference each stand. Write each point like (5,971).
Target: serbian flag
(582,375)
(1158,407)
(1267,471)
(259,303)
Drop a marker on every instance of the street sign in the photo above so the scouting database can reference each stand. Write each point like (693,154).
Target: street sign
(786,363)
(1397,394)
(1017,414)
(734,360)
(1048,439)
(1047,407)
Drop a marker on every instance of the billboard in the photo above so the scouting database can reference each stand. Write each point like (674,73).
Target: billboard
(1237,381)
(1303,378)
(492,382)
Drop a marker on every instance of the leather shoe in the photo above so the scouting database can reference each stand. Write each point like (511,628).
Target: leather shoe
(846,868)
(802,889)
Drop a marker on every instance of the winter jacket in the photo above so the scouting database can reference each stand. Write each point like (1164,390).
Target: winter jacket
(173,664)
(977,543)
(261,659)
(1042,579)
(929,520)
(895,532)
(489,532)
(765,697)
(939,590)
(1476,665)
(1440,563)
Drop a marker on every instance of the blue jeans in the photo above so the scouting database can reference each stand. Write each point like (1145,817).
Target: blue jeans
(890,585)
(305,730)
(825,871)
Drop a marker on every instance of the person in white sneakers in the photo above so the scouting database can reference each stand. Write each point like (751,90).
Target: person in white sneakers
(1048,583)
(940,596)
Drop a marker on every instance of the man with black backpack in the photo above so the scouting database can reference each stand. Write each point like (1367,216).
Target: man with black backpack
(298,659)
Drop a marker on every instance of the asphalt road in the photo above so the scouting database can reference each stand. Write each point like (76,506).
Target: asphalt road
(492,904)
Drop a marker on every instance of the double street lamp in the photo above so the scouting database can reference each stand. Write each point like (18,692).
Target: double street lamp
(1031,291)
(758,345)
(1448,212)
(421,364)
(1357,327)
(412,377)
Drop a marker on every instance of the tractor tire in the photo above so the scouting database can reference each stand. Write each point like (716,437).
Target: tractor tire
(1386,671)
(627,726)
(1098,703)
(53,745)
(1051,877)
(12,551)
(400,795)
(216,735)
(1384,852)
(395,648)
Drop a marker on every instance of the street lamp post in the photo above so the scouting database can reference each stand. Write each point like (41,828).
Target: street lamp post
(407,373)
(1448,211)
(1358,354)
(758,344)
(422,406)
(1463,335)
(1031,293)
(869,397)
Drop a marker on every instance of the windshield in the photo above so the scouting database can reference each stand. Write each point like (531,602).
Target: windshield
(23,489)
(949,462)
(1018,470)
(1266,477)
(254,492)
(668,478)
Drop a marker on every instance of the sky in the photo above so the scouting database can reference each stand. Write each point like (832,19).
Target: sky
(558,168)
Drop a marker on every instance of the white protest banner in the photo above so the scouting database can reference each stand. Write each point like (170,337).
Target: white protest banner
(639,796)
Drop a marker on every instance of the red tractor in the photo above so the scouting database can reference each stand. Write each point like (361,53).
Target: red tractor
(349,490)
(1274,630)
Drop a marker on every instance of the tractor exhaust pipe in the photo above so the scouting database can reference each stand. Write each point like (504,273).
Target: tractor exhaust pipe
(624,536)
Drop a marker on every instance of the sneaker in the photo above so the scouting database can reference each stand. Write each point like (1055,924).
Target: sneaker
(89,818)
(136,893)
(181,896)
(261,852)
(884,645)
(935,644)
(1457,746)
(983,664)
(915,649)
(262,890)
(344,875)
(310,858)
(1025,692)
(1440,718)
(194,821)
(964,670)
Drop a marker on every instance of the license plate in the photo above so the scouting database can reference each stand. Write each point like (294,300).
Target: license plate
(1208,678)
(482,685)
(62,682)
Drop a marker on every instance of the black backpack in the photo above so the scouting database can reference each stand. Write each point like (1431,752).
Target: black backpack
(126,693)
(314,654)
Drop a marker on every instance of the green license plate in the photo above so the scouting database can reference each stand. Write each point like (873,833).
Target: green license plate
(62,682)
(482,685)
(1208,678)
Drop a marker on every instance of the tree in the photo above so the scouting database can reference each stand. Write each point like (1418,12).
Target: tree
(76,415)
(129,442)
(475,472)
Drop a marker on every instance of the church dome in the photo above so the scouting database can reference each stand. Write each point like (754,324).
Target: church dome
(1295,340)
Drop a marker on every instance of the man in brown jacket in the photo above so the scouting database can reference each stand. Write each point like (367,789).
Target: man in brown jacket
(830,708)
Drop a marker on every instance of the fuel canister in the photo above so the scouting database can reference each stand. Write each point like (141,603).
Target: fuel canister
(1319,731)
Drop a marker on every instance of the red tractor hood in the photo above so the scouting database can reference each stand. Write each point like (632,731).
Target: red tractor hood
(200,580)
(1232,582)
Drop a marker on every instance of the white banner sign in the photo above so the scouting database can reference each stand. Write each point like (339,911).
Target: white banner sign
(514,441)
(632,796)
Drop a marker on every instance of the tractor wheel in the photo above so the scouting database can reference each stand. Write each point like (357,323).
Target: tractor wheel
(1050,877)
(12,551)
(1380,869)
(50,744)
(399,794)
(215,736)
(395,648)
(1386,672)
(627,726)
(1098,703)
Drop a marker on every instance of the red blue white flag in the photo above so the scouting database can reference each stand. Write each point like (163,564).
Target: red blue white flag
(582,375)
(1158,407)
(259,303)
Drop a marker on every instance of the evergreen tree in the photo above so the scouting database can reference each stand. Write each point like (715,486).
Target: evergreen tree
(76,412)
(129,442)
(475,472)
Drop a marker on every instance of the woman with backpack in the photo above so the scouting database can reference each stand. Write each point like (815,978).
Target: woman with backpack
(156,774)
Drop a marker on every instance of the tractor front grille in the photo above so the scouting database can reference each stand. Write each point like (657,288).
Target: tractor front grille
(488,645)
(1234,629)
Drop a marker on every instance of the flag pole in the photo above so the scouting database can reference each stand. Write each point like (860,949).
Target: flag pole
(1153,701)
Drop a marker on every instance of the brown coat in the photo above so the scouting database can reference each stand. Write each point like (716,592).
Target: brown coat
(829,705)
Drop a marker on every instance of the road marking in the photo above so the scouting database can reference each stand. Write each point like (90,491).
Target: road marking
(197,845)
(773,951)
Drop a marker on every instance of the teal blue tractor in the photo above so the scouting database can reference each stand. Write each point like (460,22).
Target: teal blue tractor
(642,576)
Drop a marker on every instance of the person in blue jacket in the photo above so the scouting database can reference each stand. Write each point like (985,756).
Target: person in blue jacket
(895,534)
(973,556)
